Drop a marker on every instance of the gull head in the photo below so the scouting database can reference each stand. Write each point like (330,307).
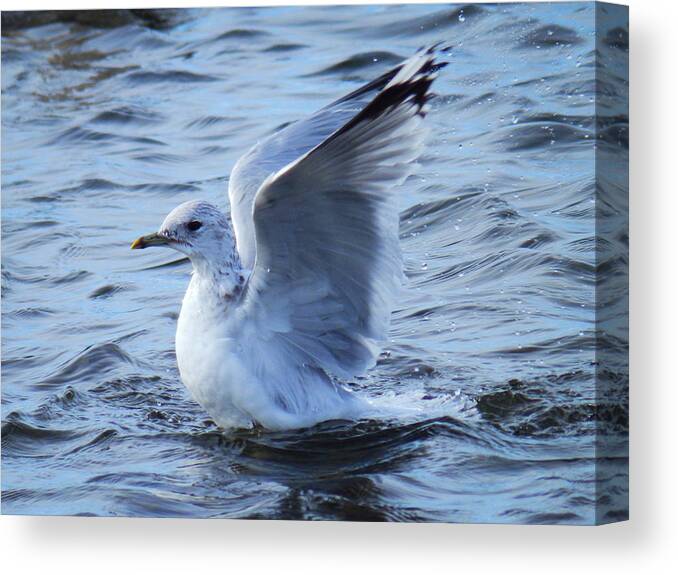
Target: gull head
(199,230)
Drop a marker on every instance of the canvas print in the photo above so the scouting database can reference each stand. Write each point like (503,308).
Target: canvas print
(378,265)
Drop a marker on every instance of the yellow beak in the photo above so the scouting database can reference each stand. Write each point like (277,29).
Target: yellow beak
(149,241)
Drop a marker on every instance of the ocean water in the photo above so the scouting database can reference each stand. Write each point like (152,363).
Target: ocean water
(511,333)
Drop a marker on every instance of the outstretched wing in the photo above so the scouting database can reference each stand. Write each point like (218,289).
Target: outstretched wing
(285,146)
(328,263)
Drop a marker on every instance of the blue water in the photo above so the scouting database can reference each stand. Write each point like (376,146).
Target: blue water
(109,121)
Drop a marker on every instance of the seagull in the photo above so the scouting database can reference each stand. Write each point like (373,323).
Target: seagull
(291,296)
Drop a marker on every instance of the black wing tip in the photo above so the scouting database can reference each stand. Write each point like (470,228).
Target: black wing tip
(376,84)
(416,87)
(382,81)
(440,47)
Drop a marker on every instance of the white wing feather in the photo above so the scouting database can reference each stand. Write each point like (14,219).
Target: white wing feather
(328,264)
(285,146)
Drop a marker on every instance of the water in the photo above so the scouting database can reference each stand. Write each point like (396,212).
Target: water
(108,122)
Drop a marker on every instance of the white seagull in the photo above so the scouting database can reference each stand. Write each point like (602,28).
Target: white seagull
(294,293)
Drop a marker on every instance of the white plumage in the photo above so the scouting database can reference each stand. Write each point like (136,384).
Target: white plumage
(298,293)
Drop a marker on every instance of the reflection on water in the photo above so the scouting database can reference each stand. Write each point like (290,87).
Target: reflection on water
(110,120)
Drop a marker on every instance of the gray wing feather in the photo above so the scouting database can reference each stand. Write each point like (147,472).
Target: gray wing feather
(283,147)
(328,264)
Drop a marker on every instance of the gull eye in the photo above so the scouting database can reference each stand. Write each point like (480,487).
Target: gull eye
(194,225)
